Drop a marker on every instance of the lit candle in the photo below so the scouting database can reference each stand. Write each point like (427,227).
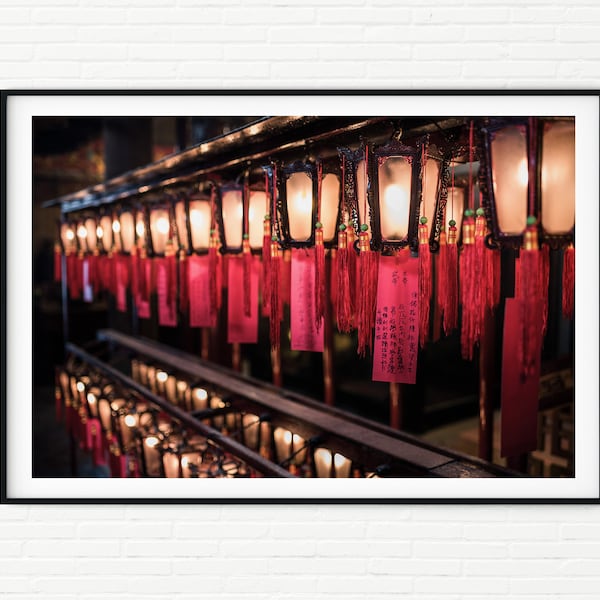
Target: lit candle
(199,399)
(171,464)
(323,462)
(283,443)
(92,400)
(152,456)
(257,207)
(135,370)
(215,403)
(395,177)
(299,189)
(151,375)
(182,388)
(127,423)
(189,460)
(160,228)
(105,414)
(342,465)
(330,202)
(251,426)
(200,218)
(161,378)
(232,210)
(171,389)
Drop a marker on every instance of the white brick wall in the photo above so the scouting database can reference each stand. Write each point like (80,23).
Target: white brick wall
(308,552)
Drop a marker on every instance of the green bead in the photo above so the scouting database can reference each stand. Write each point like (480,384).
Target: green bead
(212,231)
(364,227)
(531,220)
(452,223)
(274,238)
(469,212)
(246,236)
(480,212)
(423,220)
(319,225)
(267,217)
(342,227)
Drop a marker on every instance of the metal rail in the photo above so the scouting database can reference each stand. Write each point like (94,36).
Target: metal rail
(239,450)
(334,422)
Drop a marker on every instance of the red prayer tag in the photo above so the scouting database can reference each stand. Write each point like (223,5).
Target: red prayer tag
(520,393)
(305,335)
(198,291)
(397,319)
(167,312)
(241,328)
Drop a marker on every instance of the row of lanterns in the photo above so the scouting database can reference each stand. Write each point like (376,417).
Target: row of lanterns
(377,213)
(132,438)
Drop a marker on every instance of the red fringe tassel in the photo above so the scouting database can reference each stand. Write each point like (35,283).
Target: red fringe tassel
(470,288)
(57,263)
(183,282)
(172,278)
(543,283)
(450,283)
(247,272)
(212,277)
(275,301)
(366,293)
(568,283)
(424,283)
(344,284)
(320,277)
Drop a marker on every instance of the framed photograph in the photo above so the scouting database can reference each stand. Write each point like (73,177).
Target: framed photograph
(298,296)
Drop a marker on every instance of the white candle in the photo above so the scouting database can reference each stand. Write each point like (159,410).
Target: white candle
(342,465)
(188,461)
(135,370)
(161,378)
(251,426)
(105,414)
(182,388)
(152,456)
(199,399)
(283,443)
(171,464)
(323,462)
(171,389)
(92,401)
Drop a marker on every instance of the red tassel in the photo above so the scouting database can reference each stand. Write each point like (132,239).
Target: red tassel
(57,263)
(424,282)
(543,283)
(143,277)
(366,293)
(247,272)
(275,303)
(320,276)
(568,283)
(183,282)
(171,261)
(470,290)
(450,281)
(266,263)
(135,272)
(212,276)
(442,274)
(529,292)
(344,288)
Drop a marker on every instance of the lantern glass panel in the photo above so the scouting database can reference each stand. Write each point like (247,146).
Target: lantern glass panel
(558,177)
(361,192)
(140,227)
(455,206)
(300,205)
(200,224)
(257,208)
(431,175)
(91,239)
(330,202)
(181,222)
(127,231)
(510,178)
(107,232)
(395,181)
(160,228)
(67,235)
(233,216)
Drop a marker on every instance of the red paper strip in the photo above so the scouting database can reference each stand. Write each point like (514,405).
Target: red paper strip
(305,333)
(198,291)
(397,319)
(142,304)
(520,393)
(167,311)
(241,328)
